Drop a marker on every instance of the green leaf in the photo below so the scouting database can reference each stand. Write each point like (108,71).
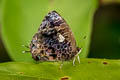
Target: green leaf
(88,69)
(21,19)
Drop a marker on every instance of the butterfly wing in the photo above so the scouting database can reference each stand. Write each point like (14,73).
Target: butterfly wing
(55,39)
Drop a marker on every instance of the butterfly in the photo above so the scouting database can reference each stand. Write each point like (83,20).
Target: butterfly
(54,40)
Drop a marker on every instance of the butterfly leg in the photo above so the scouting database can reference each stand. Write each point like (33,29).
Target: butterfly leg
(74,61)
(61,64)
(25,46)
(25,51)
(77,55)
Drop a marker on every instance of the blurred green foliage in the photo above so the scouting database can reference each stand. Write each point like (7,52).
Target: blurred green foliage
(3,54)
(21,19)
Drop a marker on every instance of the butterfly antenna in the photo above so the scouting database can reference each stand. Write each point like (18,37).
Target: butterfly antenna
(82,41)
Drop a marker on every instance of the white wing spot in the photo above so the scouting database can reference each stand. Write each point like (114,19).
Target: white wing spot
(61,38)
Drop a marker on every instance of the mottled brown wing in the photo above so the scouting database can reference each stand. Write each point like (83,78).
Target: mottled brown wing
(54,40)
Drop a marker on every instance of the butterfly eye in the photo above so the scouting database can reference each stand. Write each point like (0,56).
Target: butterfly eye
(37,57)
(33,45)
